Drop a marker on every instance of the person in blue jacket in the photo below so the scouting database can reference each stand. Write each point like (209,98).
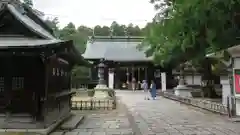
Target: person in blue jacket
(153,90)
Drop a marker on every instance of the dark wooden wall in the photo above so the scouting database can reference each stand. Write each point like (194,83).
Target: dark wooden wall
(58,96)
(21,82)
(58,76)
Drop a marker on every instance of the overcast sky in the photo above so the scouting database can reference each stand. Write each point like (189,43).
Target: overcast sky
(93,12)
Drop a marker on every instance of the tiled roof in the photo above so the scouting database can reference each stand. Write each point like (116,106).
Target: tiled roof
(34,24)
(12,42)
(29,23)
(20,14)
(115,49)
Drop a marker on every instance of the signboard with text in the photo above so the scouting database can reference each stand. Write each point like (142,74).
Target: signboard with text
(236,76)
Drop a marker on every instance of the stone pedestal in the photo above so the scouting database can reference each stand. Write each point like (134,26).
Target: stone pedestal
(101,94)
(183,91)
(226,90)
(101,91)
(101,87)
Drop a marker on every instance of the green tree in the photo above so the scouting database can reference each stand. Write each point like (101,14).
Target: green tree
(105,31)
(187,30)
(147,29)
(117,30)
(68,31)
(133,30)
(79,37)
(28,2)
(190,28)
(101,31)
(85,30)
(81,34)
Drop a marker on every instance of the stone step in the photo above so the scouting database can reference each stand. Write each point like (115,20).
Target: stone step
(72,122)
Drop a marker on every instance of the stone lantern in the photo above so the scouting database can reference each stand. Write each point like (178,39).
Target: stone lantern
(101,90)
(181,89)
(101,81)
(101,67)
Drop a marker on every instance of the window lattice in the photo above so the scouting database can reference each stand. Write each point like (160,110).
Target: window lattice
(1,84)
(58,72)
(54,72)
(17,83)
(62,72)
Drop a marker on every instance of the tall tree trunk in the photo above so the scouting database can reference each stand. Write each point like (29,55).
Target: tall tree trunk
(208,79)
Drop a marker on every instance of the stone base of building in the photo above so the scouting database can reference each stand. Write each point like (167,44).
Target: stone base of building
(101,87)
(21,130)
(183,91)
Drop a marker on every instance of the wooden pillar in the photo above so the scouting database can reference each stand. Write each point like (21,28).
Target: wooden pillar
(133,73)
(139,81)
(116,78)
(90,72)
(145,74)
(46,62)
(127,74)
(139,75)
(69,74)
(133,81)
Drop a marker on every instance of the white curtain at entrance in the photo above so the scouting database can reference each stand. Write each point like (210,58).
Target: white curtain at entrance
(111,80)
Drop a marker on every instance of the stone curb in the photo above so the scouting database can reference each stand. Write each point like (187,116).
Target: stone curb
(72,122)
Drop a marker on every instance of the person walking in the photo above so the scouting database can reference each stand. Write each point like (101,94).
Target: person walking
(145,89)
(133,84)
(153,90)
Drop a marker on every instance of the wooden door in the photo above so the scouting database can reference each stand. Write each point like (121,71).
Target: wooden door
(20,96)
(4,73)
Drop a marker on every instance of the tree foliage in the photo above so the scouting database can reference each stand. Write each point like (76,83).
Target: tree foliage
(80,35)
(28,2)
(187,30)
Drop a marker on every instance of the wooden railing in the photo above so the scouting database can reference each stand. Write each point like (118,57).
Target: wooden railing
(204,104)
(107,104)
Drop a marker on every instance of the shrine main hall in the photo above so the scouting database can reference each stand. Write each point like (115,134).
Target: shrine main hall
(123,61)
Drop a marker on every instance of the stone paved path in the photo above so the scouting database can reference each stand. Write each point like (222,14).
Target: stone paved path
(114,122)
(105,124)
(167,117)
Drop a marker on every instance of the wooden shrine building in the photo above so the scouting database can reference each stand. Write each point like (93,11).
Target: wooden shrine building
(123,61)
(35,71)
